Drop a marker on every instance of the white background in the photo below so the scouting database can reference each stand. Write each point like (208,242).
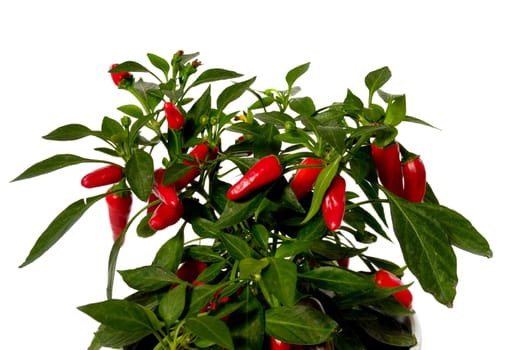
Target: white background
(460,63)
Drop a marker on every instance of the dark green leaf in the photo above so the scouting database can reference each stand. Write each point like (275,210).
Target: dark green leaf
(276,118)
(51,164)
(139,172)
(69,132)
(148,278)
(299,324)
(266,143)
(159,62)
(131,110)
(115,338)
(123,315)
(205,228)
(425,245)
(417,121)
(171,252)
(232,93)
(292,248)
(59,226)
(296,73)
(352,104)
(247,323)
(280,278)
(211,329)
(321,185)
(172,304)
(201,296)
(236,246)
(335,136)
(236,212)
(337,279)
(215,74)
(303,106)
(261,235)
(389,331)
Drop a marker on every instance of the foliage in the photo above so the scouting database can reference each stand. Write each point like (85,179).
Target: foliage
(272,265)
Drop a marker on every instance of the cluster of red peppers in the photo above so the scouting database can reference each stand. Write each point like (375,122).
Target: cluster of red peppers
(406,179)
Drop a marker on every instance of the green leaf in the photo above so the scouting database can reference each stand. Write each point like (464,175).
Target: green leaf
(171,252)
(292,248)
(250,267)
(237,247)
(129,66)
(51,164)
(303,106)
(418,121)
(211,329)
(280,278)
(172,304)
(299,324)
(389,331)
(425,245)
(321,185)
(148,278)
(376,79)
(238,211)
(247,323)
(205,228)
(396,110)
(201,296)
(131,110)
(139,172)
(59,226)
(335,136)
(232,93)
(115,338)
(276,118)
(123,315)
(296,73)
(159,62)
(111,127)
(337,279)
(69,132)
(215,74)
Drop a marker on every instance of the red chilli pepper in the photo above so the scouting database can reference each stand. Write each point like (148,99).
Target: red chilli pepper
(385,278)
(167,193)
(190,269)
(119,76)
(263,172)
(305,178)
(389,169)
(119,208)
(334,203)
(165,215)
(103,176)
(200,153)
(414,174)
(280,345)
(175,119)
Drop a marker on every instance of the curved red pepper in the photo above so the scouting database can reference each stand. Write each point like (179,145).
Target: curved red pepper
(200,153)
(165,215)
(414,174)
(119,207)
(334,203)
(263,172)
(305,178)
(389,169)
(167,193)
(106,175)
(385,278)
(175,119)
(119,76)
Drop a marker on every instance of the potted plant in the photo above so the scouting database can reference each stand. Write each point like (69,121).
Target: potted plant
(268,212)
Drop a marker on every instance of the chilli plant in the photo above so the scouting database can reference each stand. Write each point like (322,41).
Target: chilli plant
(268,212)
